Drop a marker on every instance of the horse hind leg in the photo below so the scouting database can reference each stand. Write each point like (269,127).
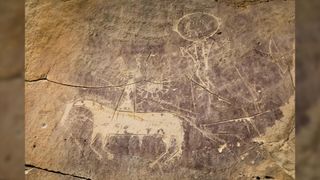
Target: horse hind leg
(173,155)
(167,144)
(177,151)
(166,153)
(151,165)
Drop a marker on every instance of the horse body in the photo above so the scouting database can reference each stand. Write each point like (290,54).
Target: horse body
(108,122)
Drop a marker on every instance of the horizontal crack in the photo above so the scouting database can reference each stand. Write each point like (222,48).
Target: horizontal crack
(81,86)
(36,80)
(57,172)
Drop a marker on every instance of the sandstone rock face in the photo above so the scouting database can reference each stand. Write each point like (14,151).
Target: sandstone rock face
(160,89)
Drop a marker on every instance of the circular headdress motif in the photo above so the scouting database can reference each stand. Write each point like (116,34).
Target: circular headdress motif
(197,26)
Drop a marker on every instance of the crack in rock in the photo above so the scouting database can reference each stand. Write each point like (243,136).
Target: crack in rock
(80,86)
(57,172)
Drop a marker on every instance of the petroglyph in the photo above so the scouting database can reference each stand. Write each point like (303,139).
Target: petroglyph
(222,147)
(117,87)
(197,26)
(247,120)
(279,57)
(165,125)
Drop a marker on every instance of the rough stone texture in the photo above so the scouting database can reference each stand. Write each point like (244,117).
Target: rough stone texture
(161,89)
(39,174)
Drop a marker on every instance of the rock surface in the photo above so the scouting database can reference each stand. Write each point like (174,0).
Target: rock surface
(160,89)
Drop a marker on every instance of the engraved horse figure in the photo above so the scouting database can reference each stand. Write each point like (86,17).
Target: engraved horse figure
(108,122)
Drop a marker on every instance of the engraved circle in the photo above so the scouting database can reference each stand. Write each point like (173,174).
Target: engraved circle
(197,26)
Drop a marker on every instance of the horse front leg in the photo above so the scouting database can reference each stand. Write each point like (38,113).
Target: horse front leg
(95,151)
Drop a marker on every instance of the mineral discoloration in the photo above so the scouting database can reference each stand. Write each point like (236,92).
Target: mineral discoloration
(160,89)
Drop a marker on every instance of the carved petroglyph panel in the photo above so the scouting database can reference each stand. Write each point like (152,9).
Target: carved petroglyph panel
(160,89)
(107,122)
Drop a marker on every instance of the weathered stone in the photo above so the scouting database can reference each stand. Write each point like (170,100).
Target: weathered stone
(160,89)
(33,173)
